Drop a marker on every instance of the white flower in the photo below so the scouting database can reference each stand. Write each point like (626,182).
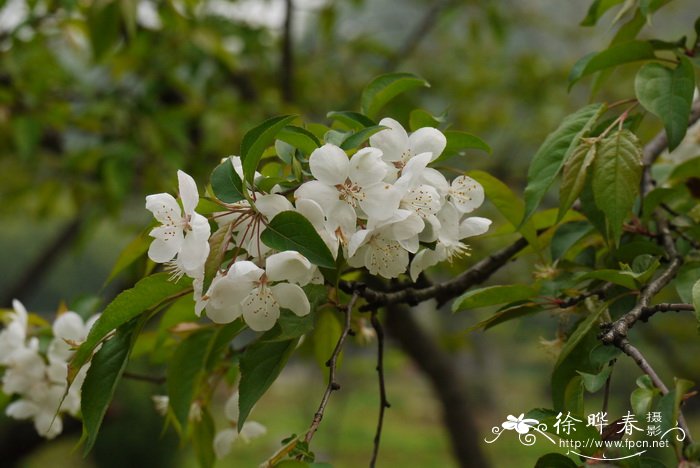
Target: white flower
(13,336)
(520,424)
(41,404)
(25,368)
(398,147)
(224,439)
(246,290)
(383,248)
(466,194)
(183,233)
(348,187)
(69,330)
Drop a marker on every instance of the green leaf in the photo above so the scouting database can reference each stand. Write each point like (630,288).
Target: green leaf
(668,94)
(602,355)
(103,22)
(326,334)
(641,400)
(458,141)
(146,296)
(510,206)
(260,365)
(554,152)
(492,295)
(555,460)
(289,326)
(696,299)
(352,120)
(626,279)
(102,377)
(299,138)
(384,88)
(566,236)
(618,54)
(574,176)
(132,252)
(226,184)
(594,382)
(203,434)
(687,276)
(598,9)
(257,139)
(617,173)
(509,313)
(291,231)
(185,372)
(420,118)
(360,136)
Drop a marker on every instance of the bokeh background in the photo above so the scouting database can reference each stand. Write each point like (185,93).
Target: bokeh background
(102,101)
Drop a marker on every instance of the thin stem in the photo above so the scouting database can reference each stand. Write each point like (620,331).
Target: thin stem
(383,401)
(332,364)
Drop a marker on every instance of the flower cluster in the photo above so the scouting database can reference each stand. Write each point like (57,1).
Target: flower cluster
(37,378)
(383,209)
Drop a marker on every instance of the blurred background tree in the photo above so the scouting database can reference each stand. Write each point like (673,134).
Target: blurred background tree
(102,101)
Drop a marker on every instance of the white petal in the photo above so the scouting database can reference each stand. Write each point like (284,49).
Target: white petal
(237,165)
(449,224)
(427,139)
(225,297)
(466,193)
(407,228)
(474,226)
(358,240)
(412,172)
(161,251)
(188,192)
(380,201)
(393,142)
(223,442)
(20,312)
(260,309)
(329,164)
(21,409)
(367,167)
(47,424)
(292,297)
(289,266)
(386,258)
(312,211)
(252,430)
(231,407)
(423,260)
(245,270)
(325,195)
(69,326)
(271,205)
(423,200)
(435,179)
(164,208)
(194,252)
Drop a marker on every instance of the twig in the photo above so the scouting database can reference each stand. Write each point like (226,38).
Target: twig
(156,380)
(443,292)
(332,365)
(643,364)
(383,402)
(647,312)
(600,292)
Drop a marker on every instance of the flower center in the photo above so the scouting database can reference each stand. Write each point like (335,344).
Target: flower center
(350,193)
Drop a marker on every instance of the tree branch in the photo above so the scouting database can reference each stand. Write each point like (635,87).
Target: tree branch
(332,366)
(443,292)
(383,401)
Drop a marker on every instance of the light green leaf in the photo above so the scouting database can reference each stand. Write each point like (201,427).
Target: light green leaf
(360,136)
(102,377)
(458,141)
(146,296)
(289,326)
(626,279)
(353,120)
(260,365)
(291,231)
(696,299)
(510,313)
(492,295)
(226,184)
(641,400)
(185,372)
(510,206)
(594,382)
(257,139)
(420,118)
(574,176)
(617,173)
(668,94)
(554,152)
(384,88)
(687,276)
(299,138)
(566,236)
(598,9)
(618,54)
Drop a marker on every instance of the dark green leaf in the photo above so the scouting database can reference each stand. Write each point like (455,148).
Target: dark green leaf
(617,173)
(574,176)
(458,141)
(668,94)
(421,118)
(618,54)
(299,138)
(555,460)
(492,295)
(359,137)
(147,295)
(102,377)
(185,372)
(384,88)
(103,21)
(226,184)
(554,152)
(257,139)
(291,231)
(352,120)
(260,365)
